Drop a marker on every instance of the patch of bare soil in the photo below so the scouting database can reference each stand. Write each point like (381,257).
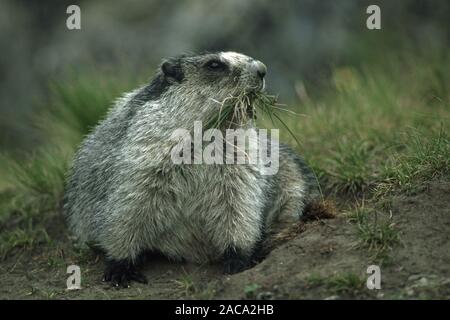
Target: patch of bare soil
(321,262)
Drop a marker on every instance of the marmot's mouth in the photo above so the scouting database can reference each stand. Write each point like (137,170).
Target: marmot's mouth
(239,109)
(257,88)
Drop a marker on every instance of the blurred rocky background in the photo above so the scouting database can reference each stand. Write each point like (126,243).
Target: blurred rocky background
(299,40)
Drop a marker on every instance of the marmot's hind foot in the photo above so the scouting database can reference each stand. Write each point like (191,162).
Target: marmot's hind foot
(121,273)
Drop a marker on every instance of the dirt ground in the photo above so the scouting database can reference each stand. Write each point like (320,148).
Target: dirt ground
(321,262)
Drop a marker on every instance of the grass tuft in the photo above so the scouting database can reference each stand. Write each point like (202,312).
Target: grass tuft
(346,283)
(424,159)
(376,231)
(382,126)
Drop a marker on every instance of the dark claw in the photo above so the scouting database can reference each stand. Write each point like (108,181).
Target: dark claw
(121,273)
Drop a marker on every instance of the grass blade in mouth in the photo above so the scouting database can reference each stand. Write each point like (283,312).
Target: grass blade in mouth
(267,103)
(235,108)
(287,128)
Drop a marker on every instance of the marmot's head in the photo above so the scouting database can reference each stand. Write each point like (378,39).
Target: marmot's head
(228,71)
(199,83)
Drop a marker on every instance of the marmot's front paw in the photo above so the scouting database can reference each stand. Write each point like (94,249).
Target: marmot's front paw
(121,273)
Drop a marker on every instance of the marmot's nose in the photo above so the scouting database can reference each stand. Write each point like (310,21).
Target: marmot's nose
(260,68)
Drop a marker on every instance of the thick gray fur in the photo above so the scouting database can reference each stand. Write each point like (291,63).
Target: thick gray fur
(125,195)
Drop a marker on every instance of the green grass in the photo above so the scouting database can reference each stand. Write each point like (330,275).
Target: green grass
(195,290)
(26,238)
(251,289)
(425,158)
(343,284)
(382,126)
(35,184)
(33,194)
(77,105)
(375,231)
(186,285)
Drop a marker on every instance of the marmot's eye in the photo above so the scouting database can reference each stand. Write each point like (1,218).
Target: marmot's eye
(215,65)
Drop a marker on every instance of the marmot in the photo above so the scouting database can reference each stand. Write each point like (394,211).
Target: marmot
(126,196)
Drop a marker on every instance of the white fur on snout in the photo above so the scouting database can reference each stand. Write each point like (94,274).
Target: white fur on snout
(235,58)
(244,62)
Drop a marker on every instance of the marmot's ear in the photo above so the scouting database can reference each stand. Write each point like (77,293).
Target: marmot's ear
(172,71)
